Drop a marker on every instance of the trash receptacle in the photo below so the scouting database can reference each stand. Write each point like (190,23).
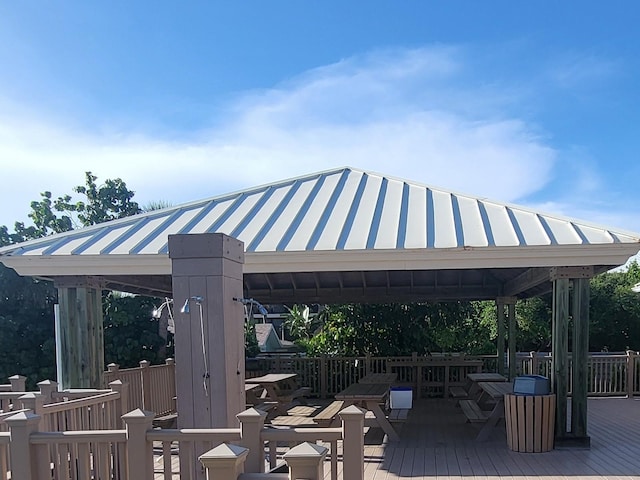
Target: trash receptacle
(530,414)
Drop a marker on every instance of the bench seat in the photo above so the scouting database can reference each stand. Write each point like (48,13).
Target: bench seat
(473,412)
(328,414)
(166,421)
(398,415)
(458,392)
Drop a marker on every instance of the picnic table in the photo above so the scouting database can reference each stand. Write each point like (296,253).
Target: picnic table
(280,389)
(370,396)
(496,392)
(474,379)
(445,362)
(383,378)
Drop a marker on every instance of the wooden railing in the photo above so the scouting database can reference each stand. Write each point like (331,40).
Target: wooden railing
(61,414)
(151,387)
(610,374)
(128,454)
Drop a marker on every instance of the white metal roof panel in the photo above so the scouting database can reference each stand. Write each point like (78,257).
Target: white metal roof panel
(359,229)
(444,228)
(388,222)
(501,228)
(471,220)
(339,210)
(416,228)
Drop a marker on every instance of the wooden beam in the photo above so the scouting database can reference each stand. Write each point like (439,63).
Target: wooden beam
(559,352)
(580,357)
(531,278)
(80,333)
(511,308)
(370,294)
(501,336)
(571,272)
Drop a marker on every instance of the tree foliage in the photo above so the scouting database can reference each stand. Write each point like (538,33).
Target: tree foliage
(130,331)
(26,304)
(26,327)
(400,329)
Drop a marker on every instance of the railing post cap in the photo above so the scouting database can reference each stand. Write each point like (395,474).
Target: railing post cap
(112,367)
(138,416)
(225,451)
(46,383)
(116,383)
(351,412)
(17,377)
(306,450)
(251,415)
(28,396)
(144,363)
(170,361)
(23,418)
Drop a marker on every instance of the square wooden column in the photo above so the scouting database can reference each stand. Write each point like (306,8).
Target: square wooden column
(510,302)
(500,335)
(580,356)
(570,291)
(80,332)
(209,339)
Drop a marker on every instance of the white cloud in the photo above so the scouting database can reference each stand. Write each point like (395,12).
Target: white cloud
(408,113)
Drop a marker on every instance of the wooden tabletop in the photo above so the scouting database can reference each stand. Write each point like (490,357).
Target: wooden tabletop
(496,390)
(364,392)
(271,378)
(386,378)
(486,377)
(436,362)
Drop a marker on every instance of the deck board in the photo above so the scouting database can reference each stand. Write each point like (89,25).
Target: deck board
(436,443)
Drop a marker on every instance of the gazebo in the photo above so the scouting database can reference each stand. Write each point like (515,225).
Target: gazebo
(338,236)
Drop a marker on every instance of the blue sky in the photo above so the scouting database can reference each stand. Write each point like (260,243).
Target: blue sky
(534,103)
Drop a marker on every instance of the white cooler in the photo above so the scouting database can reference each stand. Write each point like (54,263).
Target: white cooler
(400,397)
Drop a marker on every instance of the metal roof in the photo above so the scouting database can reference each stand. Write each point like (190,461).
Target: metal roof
(344,217)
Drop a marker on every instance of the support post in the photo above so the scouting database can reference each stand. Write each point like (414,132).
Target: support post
(563,279)
(47,389)
(18,383)
(501,335)
(631,374)
(122,405)
(225,462)
(21,425)
(580,353)
(251,424)
(139,451)
(80,356)
(511,307)
(145,381)
(352,442)
(305,461)
(209,338)
(559,352)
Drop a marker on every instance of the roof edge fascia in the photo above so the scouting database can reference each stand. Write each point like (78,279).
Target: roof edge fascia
(343,260)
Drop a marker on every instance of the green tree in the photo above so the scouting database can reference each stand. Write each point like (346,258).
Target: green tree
(26,305)
(27,328)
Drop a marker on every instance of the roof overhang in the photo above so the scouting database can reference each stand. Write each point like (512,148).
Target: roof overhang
(610,255)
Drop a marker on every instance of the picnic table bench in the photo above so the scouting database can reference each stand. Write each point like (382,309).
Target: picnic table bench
(280,389)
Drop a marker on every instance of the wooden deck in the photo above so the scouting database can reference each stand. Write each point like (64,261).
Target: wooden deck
(437,443)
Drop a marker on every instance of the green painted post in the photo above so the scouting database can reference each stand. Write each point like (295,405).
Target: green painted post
(511,307)
(501,335)
(580,357)
(560,355)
